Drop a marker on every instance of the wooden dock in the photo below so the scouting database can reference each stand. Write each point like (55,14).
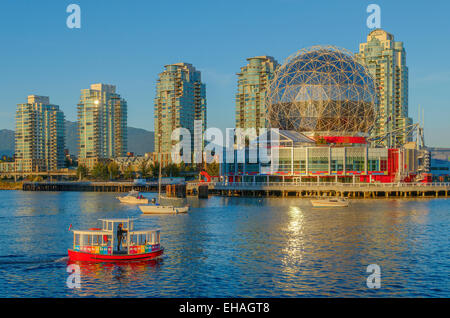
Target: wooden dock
(91,186)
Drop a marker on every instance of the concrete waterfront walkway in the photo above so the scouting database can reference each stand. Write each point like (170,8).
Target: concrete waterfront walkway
(314,189)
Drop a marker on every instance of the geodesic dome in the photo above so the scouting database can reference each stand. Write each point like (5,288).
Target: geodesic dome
(322,89)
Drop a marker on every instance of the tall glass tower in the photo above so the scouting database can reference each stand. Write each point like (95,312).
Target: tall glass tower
(386,60)
(180,100)
(250,97)
(40,136)
(102,124)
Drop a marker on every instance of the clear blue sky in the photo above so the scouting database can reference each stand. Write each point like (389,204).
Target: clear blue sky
(127,43)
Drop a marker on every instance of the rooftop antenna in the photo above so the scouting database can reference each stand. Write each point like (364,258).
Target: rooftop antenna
(423,118)
(418,131)
(419,116)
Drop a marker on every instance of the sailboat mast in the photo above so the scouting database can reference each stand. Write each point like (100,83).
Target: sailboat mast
(159,178)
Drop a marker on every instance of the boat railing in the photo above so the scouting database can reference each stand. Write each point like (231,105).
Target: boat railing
(109,224)
(338,184)
(93,241)
(144,241)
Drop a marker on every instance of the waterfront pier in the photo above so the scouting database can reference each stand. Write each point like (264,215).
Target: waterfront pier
(259,189)
(317,189)
(91,186)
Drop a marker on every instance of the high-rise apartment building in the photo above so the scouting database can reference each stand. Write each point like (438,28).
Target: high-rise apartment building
(180,100)
(386,60)
(102,124)
(39,136)
(250,97)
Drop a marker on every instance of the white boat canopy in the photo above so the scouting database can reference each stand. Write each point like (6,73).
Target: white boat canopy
(108,224)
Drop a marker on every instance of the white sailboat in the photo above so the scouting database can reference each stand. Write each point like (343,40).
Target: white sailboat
(157,208)
(163,209)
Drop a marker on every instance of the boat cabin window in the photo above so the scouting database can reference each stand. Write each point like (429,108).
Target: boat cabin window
(76,239)
(155,237)
(144,238)
(108,226)
(83,239)
(111,225)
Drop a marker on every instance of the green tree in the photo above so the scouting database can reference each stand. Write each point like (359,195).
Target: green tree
(100,171)
(213,169)
(128,173)
(144,169)
(172,170)
(82,172)
(113,170)
(154,169)
(67,162)
(182,167)
(37,179)
(192,167)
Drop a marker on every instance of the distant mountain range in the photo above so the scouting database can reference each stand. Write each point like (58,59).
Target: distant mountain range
(440,153)
(140,140)
(6,142)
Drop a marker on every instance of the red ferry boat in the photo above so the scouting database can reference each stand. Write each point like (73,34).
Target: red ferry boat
(102,244)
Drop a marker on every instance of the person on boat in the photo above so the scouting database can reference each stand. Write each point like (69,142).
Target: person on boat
(120,234)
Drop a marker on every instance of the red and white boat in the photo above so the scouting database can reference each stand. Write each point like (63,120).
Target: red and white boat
(101,244)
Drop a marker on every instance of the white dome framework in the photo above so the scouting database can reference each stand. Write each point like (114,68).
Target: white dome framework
(322,90)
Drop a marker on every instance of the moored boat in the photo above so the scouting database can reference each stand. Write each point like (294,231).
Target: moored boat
(330,202)
(156,207)
(98,244)
(133,197)
(163,209)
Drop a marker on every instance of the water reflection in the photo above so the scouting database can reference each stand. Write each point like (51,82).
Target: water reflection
(115,279)
(269,247)
(294,240)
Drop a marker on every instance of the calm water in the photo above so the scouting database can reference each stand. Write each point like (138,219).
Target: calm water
(232,247)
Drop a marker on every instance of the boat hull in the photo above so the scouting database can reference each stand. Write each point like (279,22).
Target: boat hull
(88,257)
(323,203)
(162,209)
(132,200)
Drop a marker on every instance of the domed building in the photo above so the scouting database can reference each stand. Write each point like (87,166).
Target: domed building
(323,103)
(322,90)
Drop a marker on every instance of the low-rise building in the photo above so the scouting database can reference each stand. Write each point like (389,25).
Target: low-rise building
(440,164)
(440,168)
(302,158)
(166,158)
(135,162)
(7,167)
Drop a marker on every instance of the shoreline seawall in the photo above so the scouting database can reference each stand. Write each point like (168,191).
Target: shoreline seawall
(4,185)
(295,190)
